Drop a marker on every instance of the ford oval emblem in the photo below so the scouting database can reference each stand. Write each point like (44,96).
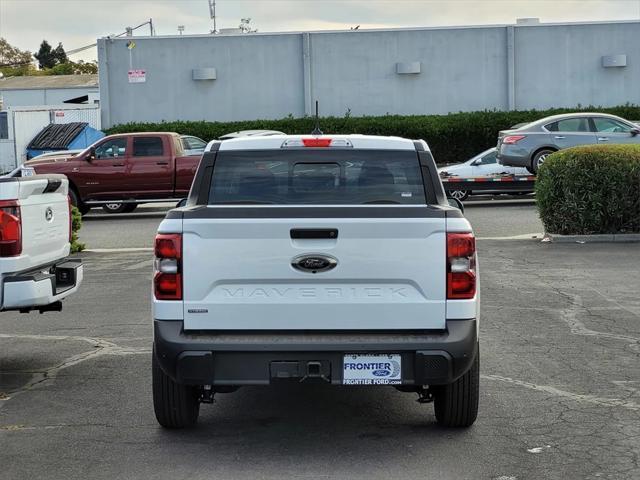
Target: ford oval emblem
(381,373)
(314,263)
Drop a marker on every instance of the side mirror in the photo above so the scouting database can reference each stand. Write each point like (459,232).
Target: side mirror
(92,154)
(455,203)
(182,203)
(634,131)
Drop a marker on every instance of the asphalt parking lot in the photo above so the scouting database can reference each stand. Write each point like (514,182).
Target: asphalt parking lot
(560,343)
(491,217)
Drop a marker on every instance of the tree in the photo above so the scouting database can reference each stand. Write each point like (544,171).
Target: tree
(59,54)
(14,61)
(12,56)
(73,68)
(46,57)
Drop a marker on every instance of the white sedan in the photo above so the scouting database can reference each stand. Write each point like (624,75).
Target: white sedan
(481,165)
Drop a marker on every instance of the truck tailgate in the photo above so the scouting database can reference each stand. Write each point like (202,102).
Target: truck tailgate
(388,274)
(44,210)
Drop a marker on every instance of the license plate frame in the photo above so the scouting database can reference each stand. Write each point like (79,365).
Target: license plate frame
(372,369)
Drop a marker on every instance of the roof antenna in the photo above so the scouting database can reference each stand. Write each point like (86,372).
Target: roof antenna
(316,130)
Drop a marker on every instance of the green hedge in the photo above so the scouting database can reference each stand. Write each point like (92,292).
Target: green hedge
(452,138)
(590,189)
(76,224)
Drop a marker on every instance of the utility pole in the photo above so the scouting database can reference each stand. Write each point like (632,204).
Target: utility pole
(212,12)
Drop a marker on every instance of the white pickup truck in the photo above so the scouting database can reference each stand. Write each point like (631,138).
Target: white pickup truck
(35,233)
(327,259)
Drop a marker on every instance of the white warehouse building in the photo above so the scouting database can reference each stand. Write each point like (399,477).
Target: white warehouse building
(369,72)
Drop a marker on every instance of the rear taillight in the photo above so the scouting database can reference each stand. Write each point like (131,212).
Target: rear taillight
(167,279)
(511,139)
(70,219)
(461,266)
(10,229)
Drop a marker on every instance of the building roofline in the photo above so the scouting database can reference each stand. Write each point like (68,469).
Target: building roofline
(377,30)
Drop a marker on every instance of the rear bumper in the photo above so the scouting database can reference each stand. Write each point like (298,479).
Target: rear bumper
(258,358)
(41,287)
(514,156)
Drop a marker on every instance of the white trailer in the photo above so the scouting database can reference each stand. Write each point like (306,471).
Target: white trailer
(21,124)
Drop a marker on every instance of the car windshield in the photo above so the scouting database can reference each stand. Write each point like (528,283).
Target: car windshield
(317,177)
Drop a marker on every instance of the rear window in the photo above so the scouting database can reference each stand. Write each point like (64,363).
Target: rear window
(147,147)
(317,177)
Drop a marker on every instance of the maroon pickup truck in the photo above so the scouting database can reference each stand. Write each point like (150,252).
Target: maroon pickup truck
(122,171)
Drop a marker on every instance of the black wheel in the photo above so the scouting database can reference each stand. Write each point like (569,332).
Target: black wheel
(130,207)
(175,405)
(456,404)
(460,194)
(75,201)
(114,207)
(538,159)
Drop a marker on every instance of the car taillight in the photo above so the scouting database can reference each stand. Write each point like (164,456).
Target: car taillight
(167,279)
(70,219)
(511,139)
(461,266)
(10,229)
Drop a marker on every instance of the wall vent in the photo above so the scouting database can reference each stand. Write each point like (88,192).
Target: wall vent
(204,74)
(610,61)
(407,68)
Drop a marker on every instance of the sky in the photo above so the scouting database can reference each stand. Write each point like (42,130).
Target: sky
(76,23)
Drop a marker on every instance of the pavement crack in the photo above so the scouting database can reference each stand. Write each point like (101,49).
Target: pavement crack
(100,347)
(592,399)
(577,327)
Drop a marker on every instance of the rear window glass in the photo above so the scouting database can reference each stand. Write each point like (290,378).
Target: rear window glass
(317,177)
(147,147)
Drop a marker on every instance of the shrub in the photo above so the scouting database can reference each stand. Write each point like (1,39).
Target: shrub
(590,189)
(452,138)
(76,224)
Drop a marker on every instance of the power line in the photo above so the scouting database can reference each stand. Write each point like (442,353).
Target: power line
(127,31)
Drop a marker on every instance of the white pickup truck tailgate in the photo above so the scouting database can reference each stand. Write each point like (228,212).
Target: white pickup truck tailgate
(390,274)
(44,210)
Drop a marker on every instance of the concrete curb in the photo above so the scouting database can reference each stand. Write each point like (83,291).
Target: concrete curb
(600,238)
(118,250)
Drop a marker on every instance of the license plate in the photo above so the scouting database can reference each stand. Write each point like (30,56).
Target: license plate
(372,369)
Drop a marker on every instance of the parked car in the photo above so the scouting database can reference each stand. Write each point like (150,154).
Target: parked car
(35,234)
(250,133)
(530,145)
(481,165)
(333,260)
(192,145)
(122,171)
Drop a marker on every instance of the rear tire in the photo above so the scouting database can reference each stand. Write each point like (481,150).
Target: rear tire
(456,404)
(460,194)
(175,405)
(538,159)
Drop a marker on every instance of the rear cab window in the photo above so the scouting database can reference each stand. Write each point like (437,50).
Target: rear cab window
(317,177)
(147,147)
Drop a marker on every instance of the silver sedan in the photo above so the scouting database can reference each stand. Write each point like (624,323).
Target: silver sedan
(529,145)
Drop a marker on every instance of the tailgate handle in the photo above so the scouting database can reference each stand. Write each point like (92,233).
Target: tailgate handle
(314,233)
